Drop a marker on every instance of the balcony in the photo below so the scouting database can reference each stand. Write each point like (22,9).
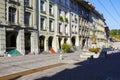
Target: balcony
(14,2)
(60,33)
(52,15)
(43,29)
(13,24)
(66,33)
(43,12)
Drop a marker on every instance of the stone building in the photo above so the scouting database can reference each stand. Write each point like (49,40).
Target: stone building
(47,25)
(53,24)
(92,24)
(69,21)
(18,26)
(33,26)
(99,25)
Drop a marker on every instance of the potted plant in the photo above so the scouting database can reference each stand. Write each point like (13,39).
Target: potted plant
(66,19)
(96,50)
(60,17)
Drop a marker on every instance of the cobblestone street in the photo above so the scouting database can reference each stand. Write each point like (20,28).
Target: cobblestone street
(97,69)
(73,69)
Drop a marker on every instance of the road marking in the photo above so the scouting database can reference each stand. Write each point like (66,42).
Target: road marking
(27,72)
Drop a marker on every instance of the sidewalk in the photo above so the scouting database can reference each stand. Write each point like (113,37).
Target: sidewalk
(16,64)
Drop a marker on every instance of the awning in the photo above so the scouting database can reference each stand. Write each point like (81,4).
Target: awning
(13,52)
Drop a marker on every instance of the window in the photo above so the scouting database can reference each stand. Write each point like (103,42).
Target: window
(51,28)
(27,18)
(12,12)
(75,18)
(42,5)
(42,23)
(72,29)
(59,11)
(75,29)
(72,17)
(26,2)
(66,30)
(65,14)
(51,10)
(60,28)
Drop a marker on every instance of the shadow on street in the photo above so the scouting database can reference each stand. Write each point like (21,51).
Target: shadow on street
(93,69)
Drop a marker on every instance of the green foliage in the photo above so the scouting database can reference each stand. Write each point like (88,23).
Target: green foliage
(114,32)
(66,19)
(60,17)
(66,47)
(117,36)
(94,49)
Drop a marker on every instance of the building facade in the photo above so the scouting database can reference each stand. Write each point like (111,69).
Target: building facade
(18,26)
(99,25)
(34,26)
(73,22)
(46,24)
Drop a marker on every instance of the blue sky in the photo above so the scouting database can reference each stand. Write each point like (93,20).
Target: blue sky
(110,10)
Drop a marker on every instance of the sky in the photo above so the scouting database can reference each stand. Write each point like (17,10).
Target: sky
(110,10)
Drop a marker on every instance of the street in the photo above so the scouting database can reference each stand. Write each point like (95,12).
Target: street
(75,69)
(97,69)
(15,64)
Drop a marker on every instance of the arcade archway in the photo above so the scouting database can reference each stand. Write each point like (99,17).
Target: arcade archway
(73,41)
(41,43)
(50,41)
(11,40)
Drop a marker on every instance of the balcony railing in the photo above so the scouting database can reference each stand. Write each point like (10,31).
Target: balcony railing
(51,14)
(42,11)
(13,24)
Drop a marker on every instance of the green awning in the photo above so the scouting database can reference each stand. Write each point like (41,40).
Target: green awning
(13,52)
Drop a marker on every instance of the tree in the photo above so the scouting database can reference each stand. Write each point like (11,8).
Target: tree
(113,32)
(66,47)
